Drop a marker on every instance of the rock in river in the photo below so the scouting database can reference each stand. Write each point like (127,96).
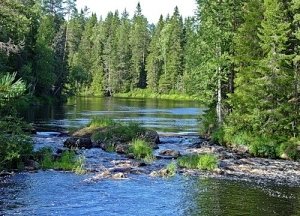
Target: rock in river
(169,154)
(74,142)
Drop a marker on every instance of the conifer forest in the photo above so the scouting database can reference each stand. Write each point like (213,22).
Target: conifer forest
(240,59)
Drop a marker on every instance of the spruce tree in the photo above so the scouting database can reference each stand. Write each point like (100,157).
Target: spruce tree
(139,41)
(154,64)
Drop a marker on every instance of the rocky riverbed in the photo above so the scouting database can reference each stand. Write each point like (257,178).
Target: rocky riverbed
(233,164)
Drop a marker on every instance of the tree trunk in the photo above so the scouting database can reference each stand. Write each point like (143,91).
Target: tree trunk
(219,98)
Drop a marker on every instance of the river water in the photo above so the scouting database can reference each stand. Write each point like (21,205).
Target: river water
(60,193)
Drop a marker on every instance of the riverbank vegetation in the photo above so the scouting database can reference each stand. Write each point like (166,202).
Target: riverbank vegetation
(140,149)
(199,161)
(67,161)
(251,60)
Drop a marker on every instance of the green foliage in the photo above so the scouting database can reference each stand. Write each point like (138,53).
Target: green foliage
(67,161)
(101,122)
(124,132)
(207,162)
(171,169)
(147,93)
(141,150)
(10,87)
(188,161)
(208,124)
(290,148)
(263,147)
(202,162)
(15,146)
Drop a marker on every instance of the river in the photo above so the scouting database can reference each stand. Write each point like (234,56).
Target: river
(60,193)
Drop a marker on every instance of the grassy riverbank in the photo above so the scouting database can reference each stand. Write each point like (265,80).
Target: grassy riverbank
(145,93)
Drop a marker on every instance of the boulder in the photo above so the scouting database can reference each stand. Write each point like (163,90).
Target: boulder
(169,154)
(32,165)
(152,137)
(119,176)
(121,148)
(74,142)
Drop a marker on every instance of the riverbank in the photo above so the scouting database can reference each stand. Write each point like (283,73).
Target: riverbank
(146,94)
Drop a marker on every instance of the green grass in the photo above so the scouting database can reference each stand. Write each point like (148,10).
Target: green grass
(207,162)
(202,162)
(119,132)
(141,150)
(68,161)
(146,93)
(101,122)
(171,169)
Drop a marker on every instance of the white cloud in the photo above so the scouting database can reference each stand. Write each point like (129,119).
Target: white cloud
(152,9)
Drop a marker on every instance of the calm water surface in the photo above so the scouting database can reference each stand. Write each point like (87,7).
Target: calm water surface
(57,193)
(162,115)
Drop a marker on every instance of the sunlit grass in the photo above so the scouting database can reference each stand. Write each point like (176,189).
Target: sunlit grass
(146,93)
(67,161)
(141,150)
(101,122)
(202,162)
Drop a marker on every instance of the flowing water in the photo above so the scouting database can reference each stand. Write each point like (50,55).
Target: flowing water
(59,193)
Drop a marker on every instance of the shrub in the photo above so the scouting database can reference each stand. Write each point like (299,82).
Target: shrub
(218,135)
(261,146)
(203,162)
(46,158)
(68,161)
(141,149)
(290,148)
(15,146)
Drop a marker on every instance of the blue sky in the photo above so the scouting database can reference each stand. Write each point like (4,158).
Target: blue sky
(150,8)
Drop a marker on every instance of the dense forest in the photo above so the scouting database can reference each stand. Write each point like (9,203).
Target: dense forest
(241,58)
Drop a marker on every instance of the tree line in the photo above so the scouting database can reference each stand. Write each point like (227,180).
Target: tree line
(248,67)
(240,57)
(65,51)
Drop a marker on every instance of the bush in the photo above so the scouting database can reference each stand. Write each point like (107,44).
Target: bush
(202,162)
(218,135)
(141,150)
(290,149)
(68,161)
(15,146)
(261,146)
